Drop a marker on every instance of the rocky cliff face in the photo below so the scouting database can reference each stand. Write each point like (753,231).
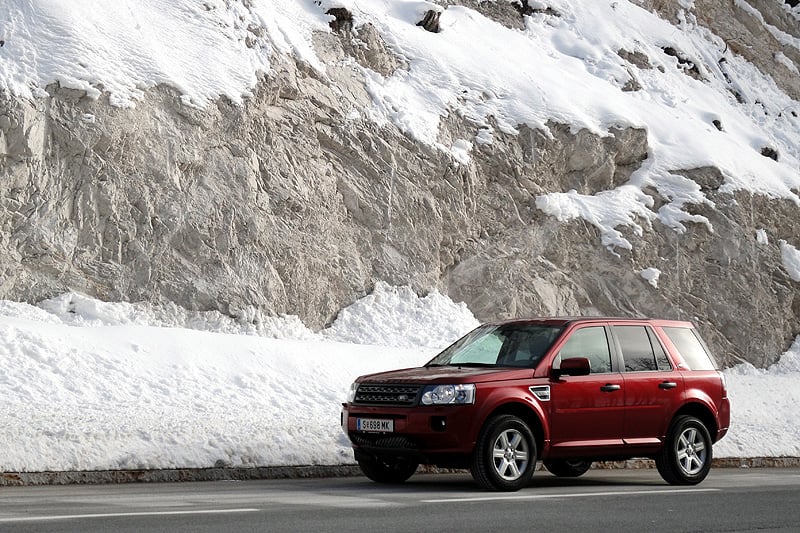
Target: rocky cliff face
(291,204)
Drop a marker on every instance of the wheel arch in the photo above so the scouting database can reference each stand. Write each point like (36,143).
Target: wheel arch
(527,415)
(703,413)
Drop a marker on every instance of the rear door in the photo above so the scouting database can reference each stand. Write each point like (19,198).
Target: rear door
(653,389)
(586,411)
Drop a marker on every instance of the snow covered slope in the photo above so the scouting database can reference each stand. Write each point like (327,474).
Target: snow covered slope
(700,104)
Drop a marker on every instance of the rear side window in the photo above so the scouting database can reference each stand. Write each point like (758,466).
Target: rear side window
(641,351)
(662,361)
(691,348)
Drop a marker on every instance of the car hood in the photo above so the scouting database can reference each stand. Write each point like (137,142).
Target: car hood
(447,374)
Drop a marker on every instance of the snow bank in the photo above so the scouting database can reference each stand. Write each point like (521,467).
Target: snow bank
(92,385)
(389,316)
(143,397)
(396,316)
(95,385)
(764,409)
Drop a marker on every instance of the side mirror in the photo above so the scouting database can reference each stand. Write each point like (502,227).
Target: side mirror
(574,366)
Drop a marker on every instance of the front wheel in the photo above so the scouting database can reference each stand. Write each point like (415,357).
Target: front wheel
(387,471)
(505,454)
(685,458)
(566,467)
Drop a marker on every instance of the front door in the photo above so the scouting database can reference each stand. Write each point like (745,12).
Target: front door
(587,412)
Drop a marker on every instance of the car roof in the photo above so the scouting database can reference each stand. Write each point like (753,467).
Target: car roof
(563,321)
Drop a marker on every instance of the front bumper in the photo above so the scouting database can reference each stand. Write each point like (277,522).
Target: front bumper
(426,433)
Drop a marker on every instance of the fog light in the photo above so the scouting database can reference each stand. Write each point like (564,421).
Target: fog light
(438,423)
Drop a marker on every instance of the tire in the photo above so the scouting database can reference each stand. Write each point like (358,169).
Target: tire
(505,454)
(567,467)
(387,471)
(686,456)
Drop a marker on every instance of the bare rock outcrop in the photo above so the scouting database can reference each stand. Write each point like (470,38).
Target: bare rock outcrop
(295,203)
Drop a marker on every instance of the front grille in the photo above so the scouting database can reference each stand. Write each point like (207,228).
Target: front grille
(394,442)
(386,394)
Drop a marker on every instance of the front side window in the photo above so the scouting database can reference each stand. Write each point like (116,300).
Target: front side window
(510,345)
(590,343)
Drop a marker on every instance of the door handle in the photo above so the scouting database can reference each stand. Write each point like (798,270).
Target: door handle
(608,387)
(667,385)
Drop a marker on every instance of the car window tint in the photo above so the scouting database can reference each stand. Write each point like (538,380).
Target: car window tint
(691,348)
(637,352)
(662,361)
(590,343)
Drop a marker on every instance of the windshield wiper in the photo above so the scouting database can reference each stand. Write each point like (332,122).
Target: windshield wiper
(459,365)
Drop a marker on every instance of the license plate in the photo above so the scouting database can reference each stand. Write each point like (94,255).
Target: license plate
(376,425)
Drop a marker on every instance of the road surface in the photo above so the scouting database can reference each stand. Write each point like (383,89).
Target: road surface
(613,500)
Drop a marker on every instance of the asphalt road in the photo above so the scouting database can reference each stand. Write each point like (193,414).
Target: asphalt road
(612,500)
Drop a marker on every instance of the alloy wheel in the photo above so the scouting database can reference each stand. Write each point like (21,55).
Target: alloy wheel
(511,454)
(691,451)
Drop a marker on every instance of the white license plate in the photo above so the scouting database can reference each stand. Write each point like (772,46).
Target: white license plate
(376,425)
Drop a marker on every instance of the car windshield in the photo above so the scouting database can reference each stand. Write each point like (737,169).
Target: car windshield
(514,345)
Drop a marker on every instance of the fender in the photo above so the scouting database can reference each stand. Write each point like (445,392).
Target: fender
(693,395)
(512,396)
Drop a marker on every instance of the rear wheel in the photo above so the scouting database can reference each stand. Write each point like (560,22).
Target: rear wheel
(567,467)
(505,454)
(685,458)
(387,471)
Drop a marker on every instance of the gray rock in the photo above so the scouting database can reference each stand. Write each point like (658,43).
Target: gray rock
(293,203)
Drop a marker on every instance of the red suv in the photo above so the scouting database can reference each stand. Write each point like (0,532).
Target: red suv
(568,391)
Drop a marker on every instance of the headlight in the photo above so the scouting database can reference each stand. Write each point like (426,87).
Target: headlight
(351,395)
(449,394)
